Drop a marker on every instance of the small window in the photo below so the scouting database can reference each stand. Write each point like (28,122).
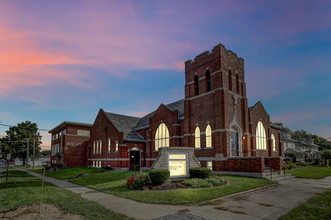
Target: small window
(196,83)
(208,136)
(116,146)
(210,165)
(230,80)
(208,81)
(237,84)
(109,142)
(273,141)
(100,146)
(197,137)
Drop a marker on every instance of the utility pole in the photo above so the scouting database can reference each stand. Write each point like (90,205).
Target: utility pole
(27,153)
(34,149)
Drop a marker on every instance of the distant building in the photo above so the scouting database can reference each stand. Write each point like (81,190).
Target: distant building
(299,146)
(211,127)
(69,143)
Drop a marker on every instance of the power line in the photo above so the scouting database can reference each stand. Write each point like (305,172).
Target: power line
(39,129)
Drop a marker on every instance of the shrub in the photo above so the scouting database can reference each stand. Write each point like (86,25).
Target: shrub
(108,168)
(216,181)
(138,181)
(197,183)
(159,176)
(316,162)
(200,172)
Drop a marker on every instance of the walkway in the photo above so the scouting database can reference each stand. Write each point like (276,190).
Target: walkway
(268,203)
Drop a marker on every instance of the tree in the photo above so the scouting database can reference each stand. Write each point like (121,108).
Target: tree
(15,142)
(326,154)
(45,153)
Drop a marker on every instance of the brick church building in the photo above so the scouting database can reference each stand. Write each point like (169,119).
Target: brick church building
(211,127)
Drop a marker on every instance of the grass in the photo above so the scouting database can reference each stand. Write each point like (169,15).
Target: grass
(24,189)
(115,183)
(318,207)
(310,172)
(70,173)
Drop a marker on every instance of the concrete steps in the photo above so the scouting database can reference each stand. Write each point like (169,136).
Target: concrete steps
(276,175)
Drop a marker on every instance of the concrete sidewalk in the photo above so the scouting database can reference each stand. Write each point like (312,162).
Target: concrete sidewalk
(268,203)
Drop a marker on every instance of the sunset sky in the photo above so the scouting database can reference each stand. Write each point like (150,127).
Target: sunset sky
(64,60)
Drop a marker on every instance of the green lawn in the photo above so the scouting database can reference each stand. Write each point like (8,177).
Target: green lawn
(310,172)
(24,189)
(70,173)
(115,183)
(318,207)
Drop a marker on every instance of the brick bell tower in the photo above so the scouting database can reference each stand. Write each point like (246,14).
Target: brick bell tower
(215,95)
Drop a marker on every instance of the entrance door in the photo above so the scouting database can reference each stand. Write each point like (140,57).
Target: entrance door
(234,144)
(134,160)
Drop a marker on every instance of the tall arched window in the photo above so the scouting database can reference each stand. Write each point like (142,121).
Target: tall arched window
(261,142)
(161,137)
(196,84)
(273,141)
(197,137)
(208,81)
(208,136)
(237,84)
(230,80)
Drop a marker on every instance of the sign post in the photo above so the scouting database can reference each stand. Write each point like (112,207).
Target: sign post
(8,159)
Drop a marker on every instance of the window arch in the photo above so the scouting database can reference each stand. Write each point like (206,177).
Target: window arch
(161,137)
(273,141)
(197,137)
(230,80)
(208,81)
(196,84)
(261,142)
(208,136)
(237,84)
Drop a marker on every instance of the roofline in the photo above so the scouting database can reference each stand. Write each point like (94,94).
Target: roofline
(65,123)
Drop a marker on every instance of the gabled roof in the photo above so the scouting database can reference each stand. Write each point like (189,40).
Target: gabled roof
(125,124)
(175,106)
(65,123)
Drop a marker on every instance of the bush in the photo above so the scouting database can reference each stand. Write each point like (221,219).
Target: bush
(108,168)
(159,176)
(197,183)
(299,163)
(316,162)
(200,172)
(216,181)
(138,181)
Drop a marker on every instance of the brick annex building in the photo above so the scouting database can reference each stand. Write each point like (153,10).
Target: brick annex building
(211,127)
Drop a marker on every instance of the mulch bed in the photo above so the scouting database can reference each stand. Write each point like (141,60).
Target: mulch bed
(170,185)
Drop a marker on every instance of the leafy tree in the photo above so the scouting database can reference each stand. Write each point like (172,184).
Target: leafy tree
(326,154)
(280,124)
(15,142)
(45,153)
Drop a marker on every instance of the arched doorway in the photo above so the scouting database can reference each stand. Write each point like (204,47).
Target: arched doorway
(235,150)
(134,159)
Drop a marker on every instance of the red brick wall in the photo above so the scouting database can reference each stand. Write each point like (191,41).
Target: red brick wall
(252,165)
(274,162)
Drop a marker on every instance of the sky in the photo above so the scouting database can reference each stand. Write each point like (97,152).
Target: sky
(64,60)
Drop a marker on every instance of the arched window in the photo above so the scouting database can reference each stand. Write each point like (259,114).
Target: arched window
(273,140)
(230,80)
(196,84)
(208,81)
(161,137)
(261,142)
(197,137)
(208,136)
(237,84)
